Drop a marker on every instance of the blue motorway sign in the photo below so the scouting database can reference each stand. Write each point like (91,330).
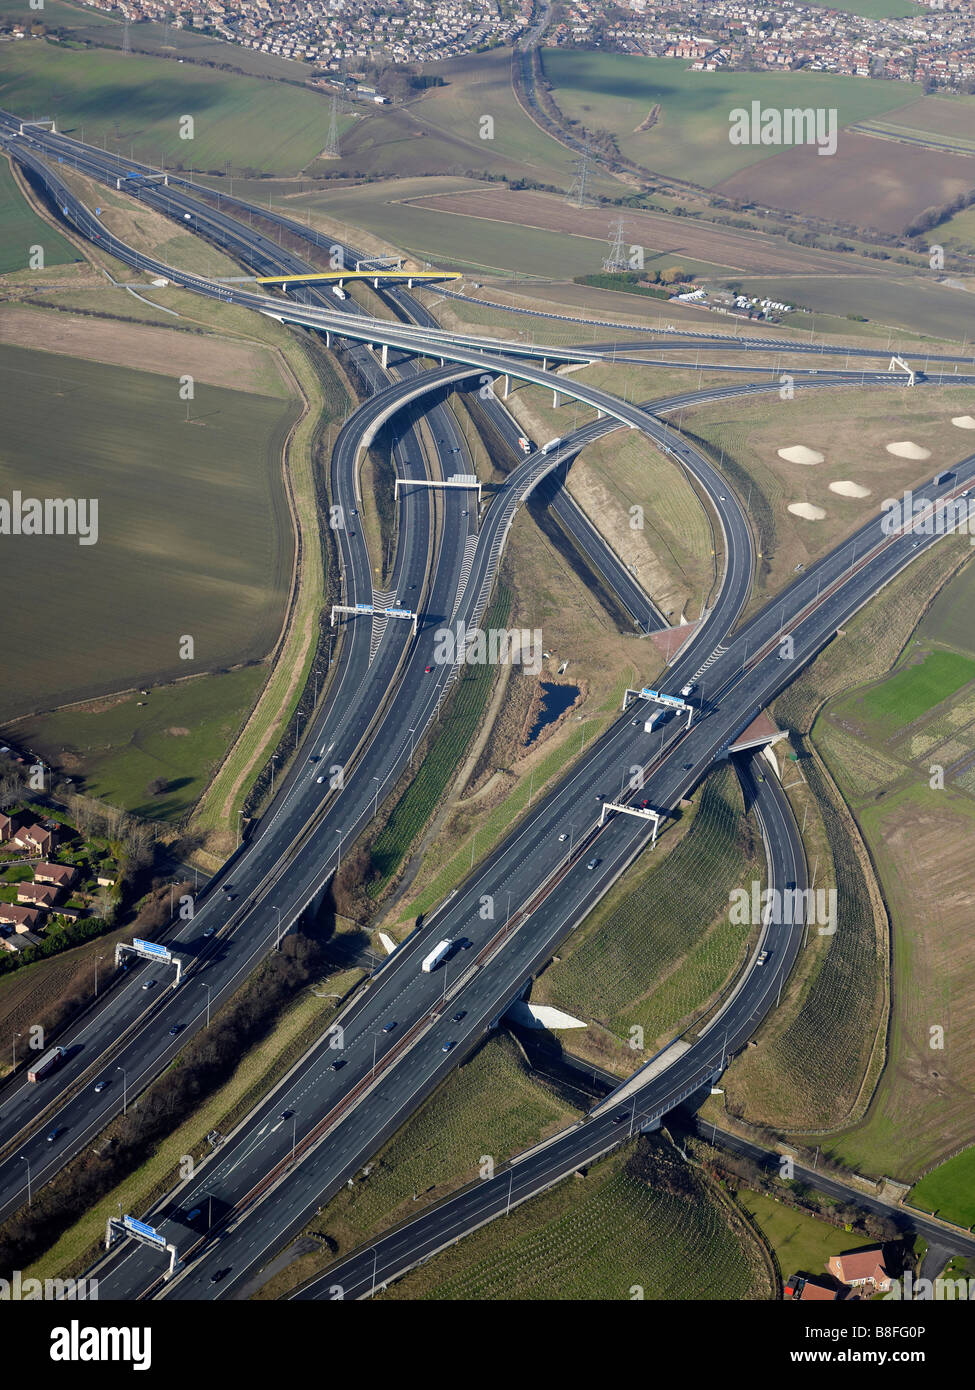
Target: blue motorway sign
(150,948)
(140,1228)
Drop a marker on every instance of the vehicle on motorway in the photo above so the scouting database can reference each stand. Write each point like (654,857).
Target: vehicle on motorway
(762,958)
(524,444)
(176,1028)
(320,780)
(563,837)
(552,444)
(219,1274)
(448,1045)
(226,887)
(427,670)
(148,984)
(55,1132)
(51,1060)
(209,931)
(461,1013)
(434,957)
(99,1087)
(192,1215)
(389,1027)
(338,1064)
(621,1117)
(688,689)
(592,864)
(339,292)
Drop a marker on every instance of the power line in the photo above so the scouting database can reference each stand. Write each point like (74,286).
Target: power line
(578,193)
(616,260)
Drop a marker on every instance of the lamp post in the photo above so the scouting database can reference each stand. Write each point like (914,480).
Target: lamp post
(124,1085)
(25,1159)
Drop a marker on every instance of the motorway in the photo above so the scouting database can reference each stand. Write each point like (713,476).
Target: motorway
(741,679)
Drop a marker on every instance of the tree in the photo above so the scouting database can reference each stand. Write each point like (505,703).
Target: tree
(157,786)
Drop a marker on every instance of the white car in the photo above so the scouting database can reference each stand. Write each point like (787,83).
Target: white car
(563,837)
(689,688)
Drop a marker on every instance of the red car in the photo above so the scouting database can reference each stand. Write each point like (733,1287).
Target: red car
(428,669)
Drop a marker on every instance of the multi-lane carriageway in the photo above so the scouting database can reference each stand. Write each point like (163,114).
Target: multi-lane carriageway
(515,930)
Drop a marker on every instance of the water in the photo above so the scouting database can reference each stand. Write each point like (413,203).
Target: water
(556,699)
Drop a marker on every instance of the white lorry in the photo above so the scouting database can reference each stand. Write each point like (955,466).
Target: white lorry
(339,292)
(431,961)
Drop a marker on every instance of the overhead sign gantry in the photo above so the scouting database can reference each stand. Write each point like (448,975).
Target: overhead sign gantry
(149,950)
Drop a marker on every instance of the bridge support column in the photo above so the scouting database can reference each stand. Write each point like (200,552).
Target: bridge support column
(385,358)
(507,385)
(555,400)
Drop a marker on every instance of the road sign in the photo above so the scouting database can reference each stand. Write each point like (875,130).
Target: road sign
(150,948)
(139,1228)
(672,700)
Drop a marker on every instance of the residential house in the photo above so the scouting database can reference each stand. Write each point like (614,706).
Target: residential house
(861,1269)
(61,874)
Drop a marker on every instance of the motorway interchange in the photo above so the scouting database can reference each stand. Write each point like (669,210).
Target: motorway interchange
(321,1124)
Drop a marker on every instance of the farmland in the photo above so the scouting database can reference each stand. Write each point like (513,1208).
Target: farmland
(135,104)
(690,138)
(117,746)
(21,229)
(949,1190)
(666,240)
(194,536)
(868,182)
(884,742)
(612,1236)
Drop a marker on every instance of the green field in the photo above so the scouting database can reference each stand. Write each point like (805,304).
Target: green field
(608,1237)
(134,103)
(614,92)
(872,9)
(488,1106)
(194,534)
(56,15)
(661,944)
(915,689)
(802,1244)
(117,747)
(949,1191)
(21,228)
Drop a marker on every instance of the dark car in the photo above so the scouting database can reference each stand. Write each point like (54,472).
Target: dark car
(621,1117)
(448,1045)
(218,1275)
(226,887)
(176,1028)
(338,1064)
(389,1027)
(462,1013)
(55,1133)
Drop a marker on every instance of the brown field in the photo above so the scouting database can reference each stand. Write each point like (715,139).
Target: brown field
(877,183)
(851,429)
(749,252)
(170,352)
(941,115)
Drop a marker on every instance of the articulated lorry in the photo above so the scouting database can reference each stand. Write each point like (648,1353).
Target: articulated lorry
(48,1063)
(439,952)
